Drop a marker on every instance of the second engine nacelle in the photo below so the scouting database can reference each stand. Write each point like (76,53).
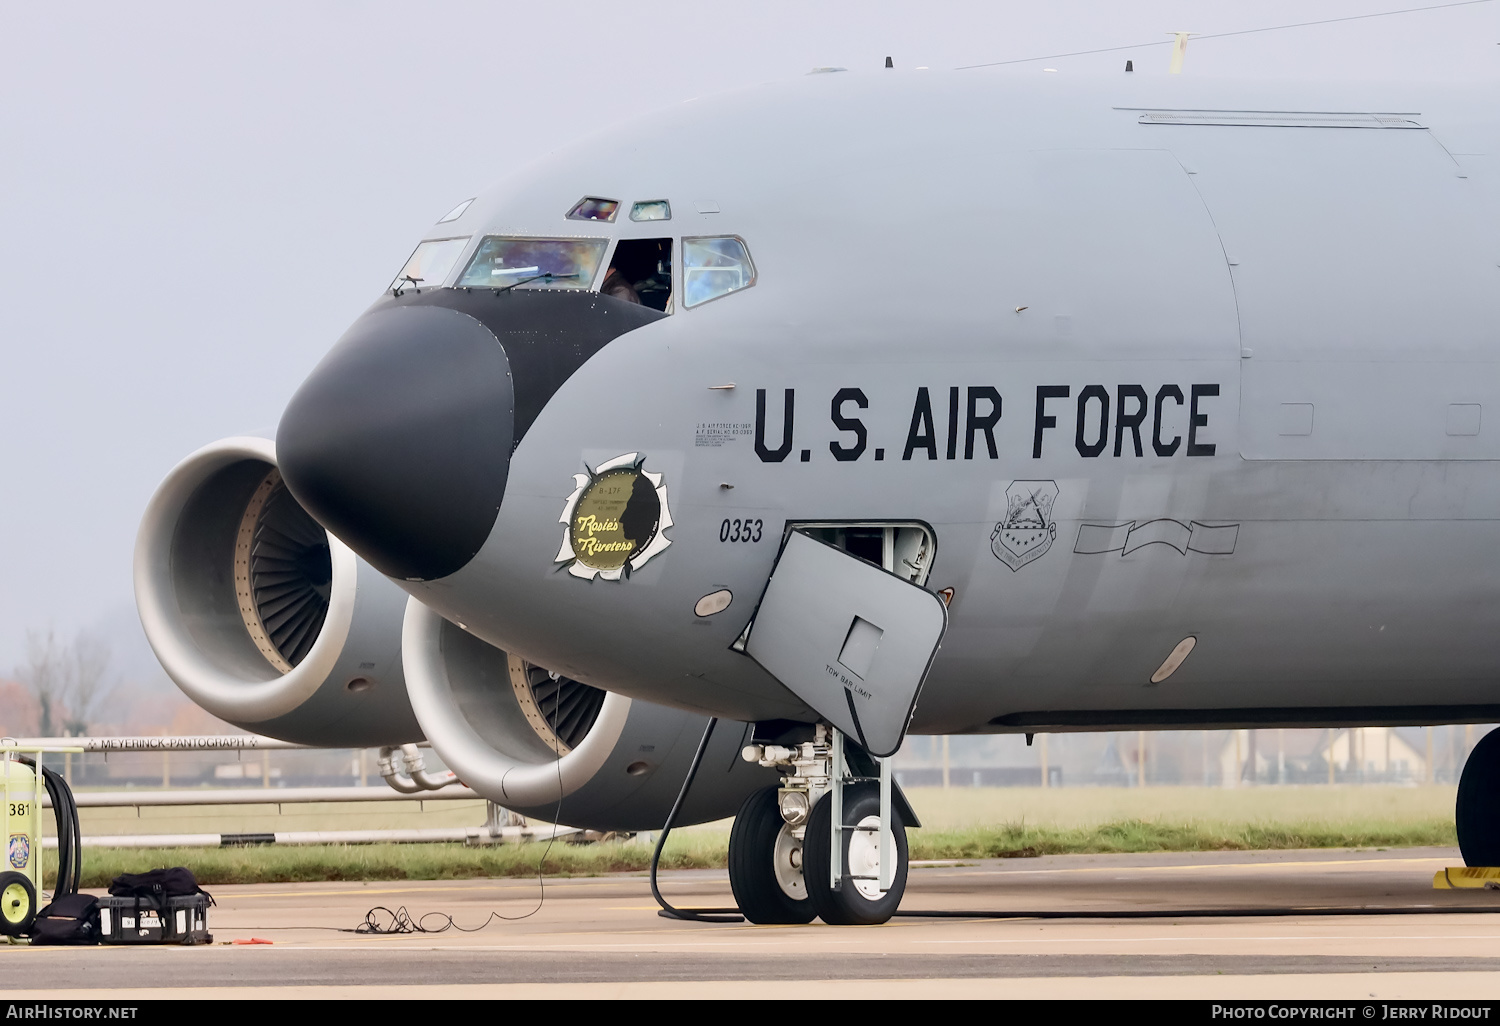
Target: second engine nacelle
(524,738)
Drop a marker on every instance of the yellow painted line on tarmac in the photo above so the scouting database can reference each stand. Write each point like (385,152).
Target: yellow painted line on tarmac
(533,887)
(630,908)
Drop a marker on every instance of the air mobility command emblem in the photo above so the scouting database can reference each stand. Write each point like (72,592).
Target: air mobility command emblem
(615,520)
(20,851)
(1028,529)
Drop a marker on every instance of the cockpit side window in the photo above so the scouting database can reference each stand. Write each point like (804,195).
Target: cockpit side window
(714,267)
(641,272)
(429,264)
(504,263)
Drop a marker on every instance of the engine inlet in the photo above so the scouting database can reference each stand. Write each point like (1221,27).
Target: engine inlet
(561,710)
(282,574)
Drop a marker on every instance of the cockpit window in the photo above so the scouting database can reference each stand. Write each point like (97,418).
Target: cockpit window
(651,210)
(714,267)
(534,263)
(429,264)
(641,272)
(456,212)
(592,208)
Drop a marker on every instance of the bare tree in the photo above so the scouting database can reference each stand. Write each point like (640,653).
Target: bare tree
(69,679)
(88,683)
(43,674)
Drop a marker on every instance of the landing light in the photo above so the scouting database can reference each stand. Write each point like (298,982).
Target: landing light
(1174,660)
(794,806)
(715,601)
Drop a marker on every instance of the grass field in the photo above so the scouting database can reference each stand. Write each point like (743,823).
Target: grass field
(958,823)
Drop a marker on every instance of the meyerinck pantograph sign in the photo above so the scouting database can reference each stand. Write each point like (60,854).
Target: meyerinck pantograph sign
(851,640)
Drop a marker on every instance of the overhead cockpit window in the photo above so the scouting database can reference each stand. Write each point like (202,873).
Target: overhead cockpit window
(456,212)
(651,210)
(592,208)
(502,263)
(714,267)
(429,265)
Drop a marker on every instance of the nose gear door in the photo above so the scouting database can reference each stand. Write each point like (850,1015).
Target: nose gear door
(853,641)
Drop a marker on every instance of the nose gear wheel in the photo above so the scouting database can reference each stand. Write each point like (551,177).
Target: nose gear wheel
(765,864)
(858,902)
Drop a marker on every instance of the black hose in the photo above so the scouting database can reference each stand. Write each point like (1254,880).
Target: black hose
(77,874)
(69,835)
(1208,913)
(69,840)
(667,911)
(731,915)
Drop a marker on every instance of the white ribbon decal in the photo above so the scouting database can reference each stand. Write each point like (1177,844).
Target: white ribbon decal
(1128,537)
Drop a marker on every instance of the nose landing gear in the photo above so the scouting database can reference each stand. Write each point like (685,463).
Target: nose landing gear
(782,864)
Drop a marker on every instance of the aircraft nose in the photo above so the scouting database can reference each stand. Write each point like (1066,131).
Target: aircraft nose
(399,442)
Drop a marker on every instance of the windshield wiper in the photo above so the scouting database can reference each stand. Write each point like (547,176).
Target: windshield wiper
(549,276)
(407,280)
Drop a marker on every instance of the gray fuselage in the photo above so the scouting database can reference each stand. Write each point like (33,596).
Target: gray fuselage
(1242,346)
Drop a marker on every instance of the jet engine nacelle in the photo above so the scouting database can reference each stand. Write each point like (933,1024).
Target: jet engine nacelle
(261,616)
(524,738)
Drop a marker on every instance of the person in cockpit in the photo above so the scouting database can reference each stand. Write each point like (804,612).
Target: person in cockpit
(616,285)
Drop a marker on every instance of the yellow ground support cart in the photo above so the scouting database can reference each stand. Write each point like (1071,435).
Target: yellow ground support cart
(21,873)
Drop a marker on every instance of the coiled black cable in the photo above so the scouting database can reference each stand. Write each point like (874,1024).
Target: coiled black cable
(383,921)
(69,836)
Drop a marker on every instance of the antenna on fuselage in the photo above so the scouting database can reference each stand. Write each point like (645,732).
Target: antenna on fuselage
(1179,50)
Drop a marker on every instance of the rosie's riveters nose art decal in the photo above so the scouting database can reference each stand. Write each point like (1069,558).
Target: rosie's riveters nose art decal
(615,520)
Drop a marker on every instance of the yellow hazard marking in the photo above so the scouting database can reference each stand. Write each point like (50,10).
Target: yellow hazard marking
(1467,877)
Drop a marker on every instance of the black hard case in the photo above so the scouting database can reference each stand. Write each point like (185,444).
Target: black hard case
(154,920)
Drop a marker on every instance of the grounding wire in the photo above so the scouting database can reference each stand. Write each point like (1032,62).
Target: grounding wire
(381,920)
(1226,35)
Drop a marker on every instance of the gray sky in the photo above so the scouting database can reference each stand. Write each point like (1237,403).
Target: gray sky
(196,199)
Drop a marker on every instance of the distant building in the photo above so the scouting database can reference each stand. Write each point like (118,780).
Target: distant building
(1387,755)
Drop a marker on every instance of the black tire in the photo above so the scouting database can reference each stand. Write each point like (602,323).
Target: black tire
(848,906)
(1476,814)
(753,873)
(17,904)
